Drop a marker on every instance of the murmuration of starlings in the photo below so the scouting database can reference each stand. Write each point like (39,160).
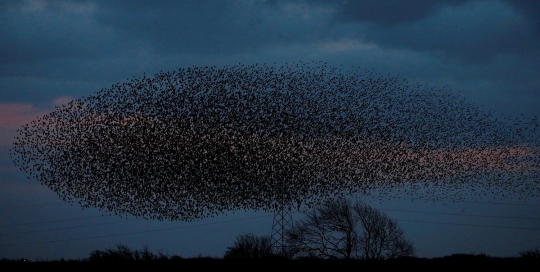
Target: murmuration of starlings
(201,141)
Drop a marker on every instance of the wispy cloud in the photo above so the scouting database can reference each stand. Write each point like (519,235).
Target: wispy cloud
(15,115)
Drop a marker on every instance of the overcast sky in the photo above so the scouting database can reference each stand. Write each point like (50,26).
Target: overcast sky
(53,51)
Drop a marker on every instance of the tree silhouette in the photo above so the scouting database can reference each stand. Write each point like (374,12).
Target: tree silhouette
(250,246)
(381,237)
(201,141)
(530,254)
(124,253)
(340,229)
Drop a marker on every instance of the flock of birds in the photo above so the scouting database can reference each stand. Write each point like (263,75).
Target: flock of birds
(200,141)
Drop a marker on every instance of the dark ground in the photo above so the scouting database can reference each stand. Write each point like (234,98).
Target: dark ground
(456,261)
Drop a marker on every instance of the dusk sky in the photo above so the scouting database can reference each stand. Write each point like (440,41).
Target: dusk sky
(54,51)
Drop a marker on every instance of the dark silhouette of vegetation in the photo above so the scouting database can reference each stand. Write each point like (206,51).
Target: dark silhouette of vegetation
(340,229)
(128,260)
(124,253)
(250,246)
(530,254)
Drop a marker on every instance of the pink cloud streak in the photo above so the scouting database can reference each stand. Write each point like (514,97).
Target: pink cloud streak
(14,115)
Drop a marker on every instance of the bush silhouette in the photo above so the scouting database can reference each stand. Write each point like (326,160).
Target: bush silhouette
(250,246)
(124,253)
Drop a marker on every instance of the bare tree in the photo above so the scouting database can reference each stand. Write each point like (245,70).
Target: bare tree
(124,253)
(250,246)
(340,229)
(381,237)
(328,231)
(530,254)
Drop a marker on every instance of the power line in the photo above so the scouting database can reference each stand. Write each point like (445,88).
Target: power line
(136,232)
(34,205)
(373,196)
(393,210)
(72,227)
(50,221)
(456,201)
(469,225)
(250,218)
(471,215)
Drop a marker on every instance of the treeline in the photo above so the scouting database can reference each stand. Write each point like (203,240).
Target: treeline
(353,233)
(122,253)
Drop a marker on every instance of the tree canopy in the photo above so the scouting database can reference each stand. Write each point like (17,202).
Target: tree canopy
(341,229)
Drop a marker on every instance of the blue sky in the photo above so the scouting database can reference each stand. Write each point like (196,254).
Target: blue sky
(55,51)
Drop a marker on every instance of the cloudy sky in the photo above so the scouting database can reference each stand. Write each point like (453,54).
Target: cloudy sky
(53,51)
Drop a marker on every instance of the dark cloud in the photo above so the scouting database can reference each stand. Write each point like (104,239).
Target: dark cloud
(530,9)
(477,33)
(38,32)
(83,39)
(388,12)
(208,27)
(472,31)
(99,29)
(466,30)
